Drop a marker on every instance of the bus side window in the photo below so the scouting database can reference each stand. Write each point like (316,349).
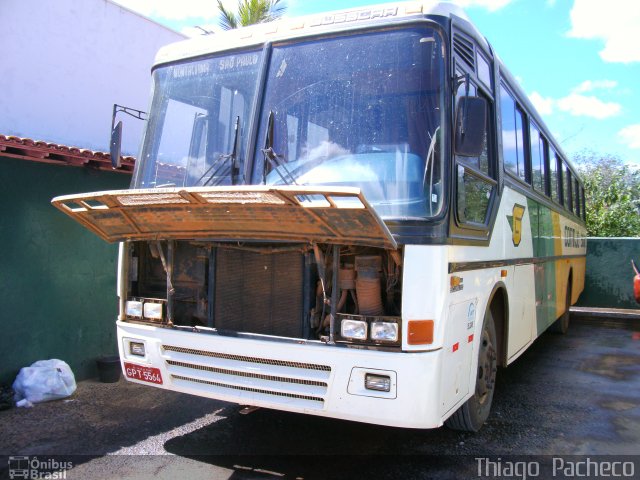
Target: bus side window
(538,147)
(566,175)
(513,148)
(576,197)
(553,175)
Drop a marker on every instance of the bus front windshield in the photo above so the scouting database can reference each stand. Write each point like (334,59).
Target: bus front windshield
(362,110)
(197,129)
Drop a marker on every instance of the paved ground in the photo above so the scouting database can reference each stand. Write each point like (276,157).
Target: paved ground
(577,394)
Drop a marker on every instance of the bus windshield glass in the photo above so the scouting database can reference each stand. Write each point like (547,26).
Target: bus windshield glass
(197,131)
(363,110)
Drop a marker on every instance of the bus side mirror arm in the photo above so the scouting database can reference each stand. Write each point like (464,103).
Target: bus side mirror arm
(115,143)
(471,126)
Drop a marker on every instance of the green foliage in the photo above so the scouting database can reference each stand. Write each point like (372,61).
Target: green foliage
(250,12)
(612,191)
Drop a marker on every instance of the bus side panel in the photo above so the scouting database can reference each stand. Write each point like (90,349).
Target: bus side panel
(547,243)
(457,352)
(521,310)
(425,283)
(569,239)
(574,244)
(520,232)
(554,236)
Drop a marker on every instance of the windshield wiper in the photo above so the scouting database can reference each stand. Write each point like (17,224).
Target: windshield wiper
(273,161)
(234,169)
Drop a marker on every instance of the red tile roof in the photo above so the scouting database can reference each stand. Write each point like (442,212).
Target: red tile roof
(45,152)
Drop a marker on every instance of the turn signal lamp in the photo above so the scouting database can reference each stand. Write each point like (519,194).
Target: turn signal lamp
(420,332)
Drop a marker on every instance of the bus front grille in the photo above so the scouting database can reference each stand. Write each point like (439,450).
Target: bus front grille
(248,379)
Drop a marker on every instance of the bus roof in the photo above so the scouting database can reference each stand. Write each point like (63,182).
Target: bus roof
(338,20)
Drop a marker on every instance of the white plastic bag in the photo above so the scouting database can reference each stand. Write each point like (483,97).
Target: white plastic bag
(43,381)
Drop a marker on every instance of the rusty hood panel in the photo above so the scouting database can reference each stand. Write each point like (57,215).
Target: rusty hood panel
(257,212)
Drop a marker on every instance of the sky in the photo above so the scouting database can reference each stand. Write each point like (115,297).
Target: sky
(578,60)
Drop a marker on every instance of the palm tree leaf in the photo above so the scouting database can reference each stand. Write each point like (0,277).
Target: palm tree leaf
(250,12)
(228,19)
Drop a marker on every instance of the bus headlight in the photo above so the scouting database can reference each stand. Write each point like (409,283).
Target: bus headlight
(353,329)
(134,308)
(153,311)
(384,331)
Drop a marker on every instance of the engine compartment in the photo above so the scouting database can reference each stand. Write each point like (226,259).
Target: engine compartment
(273,289)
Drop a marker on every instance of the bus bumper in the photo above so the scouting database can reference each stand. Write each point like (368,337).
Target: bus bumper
(311,378)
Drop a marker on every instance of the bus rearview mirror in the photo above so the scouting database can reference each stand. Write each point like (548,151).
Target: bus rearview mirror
(471,125)
(116,145)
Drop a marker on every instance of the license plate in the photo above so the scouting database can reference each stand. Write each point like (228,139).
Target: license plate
(146,374)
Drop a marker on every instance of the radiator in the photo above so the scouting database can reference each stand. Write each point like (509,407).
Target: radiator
(259,293)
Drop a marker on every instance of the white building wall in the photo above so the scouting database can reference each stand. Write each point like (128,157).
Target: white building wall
(65,63)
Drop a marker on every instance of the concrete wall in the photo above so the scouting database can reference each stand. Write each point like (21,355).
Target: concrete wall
(57,280)
(609,278)
(66,62)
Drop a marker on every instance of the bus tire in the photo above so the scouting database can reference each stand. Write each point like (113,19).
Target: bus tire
(471,416)
(561,325)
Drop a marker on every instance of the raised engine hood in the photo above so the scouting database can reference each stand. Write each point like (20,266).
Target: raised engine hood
(288,213)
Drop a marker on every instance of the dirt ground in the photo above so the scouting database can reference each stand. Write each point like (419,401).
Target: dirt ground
(577,394)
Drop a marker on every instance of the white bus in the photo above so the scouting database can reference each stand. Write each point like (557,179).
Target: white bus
(356,215)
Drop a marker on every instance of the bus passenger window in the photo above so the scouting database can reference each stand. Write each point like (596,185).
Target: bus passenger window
(576,196)
(553,175)
(566,176)
(512,135)
(538,147)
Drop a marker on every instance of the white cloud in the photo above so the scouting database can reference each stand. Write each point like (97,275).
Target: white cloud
(631,135)
(544,105)
(591,85)
(616,22)
(491,5)
(577,103)
(580,105)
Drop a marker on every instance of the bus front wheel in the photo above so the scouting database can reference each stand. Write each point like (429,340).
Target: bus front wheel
(472,415)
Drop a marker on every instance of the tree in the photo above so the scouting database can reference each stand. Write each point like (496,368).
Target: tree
(250,12)
(612,191)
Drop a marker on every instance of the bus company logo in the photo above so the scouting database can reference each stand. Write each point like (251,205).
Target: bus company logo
(471,316)
(35,468)
(355,16)
(515,222)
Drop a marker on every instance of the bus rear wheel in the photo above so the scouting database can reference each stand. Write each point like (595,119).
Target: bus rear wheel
(471,416)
